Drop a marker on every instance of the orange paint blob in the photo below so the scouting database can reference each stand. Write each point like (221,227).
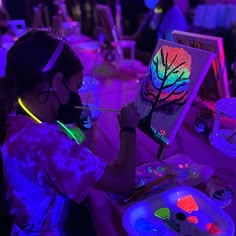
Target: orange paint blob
(192,219)
(187,204)
(213,228)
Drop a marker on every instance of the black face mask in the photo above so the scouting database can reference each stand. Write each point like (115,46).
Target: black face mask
(67,114)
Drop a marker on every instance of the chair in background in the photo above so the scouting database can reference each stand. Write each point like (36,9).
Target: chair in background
(37,21)
(3,61)
(62,10)
(122,46)
(105,21)
(71,31)
(114,37)
(18,27)
(57,25)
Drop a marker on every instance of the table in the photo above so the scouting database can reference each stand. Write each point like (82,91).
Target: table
(112,210)
(121,87)
(224,139)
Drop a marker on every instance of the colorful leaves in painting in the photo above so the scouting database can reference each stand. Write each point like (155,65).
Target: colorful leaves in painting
(167,82)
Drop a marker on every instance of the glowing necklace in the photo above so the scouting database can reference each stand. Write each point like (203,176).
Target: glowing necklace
(158,10)
(75,133)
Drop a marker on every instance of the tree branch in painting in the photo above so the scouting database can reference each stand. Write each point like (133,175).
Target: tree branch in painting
(167,82)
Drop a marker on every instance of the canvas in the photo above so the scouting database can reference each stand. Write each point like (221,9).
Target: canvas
(215,84)
(167,90)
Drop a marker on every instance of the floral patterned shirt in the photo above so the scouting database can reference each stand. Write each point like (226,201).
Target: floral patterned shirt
(43,169)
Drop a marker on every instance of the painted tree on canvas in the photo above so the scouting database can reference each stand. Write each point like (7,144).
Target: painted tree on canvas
(165,88)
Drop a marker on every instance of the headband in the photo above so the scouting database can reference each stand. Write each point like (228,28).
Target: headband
(54,56)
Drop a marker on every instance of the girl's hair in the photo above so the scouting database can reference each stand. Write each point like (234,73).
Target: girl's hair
(3,14)
(24,71)
(166,4)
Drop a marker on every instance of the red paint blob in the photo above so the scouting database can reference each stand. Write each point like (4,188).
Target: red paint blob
(192,219)
(213,228)
(187,204)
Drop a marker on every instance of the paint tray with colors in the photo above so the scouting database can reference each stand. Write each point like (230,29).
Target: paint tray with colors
(179,211)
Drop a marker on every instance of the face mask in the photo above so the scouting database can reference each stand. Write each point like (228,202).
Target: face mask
(67,114)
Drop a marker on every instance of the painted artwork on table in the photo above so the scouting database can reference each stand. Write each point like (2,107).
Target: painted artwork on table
(215,85)
(169,87)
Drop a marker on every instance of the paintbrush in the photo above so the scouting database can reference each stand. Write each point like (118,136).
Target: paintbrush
(147,188)
(96,108)
(232,135)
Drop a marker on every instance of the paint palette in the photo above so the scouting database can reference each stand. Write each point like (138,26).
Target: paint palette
(180,211)
(187,172)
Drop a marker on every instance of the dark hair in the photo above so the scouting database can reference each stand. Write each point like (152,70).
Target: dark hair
(166,4)
(24,71)
(4,14)
(4,17)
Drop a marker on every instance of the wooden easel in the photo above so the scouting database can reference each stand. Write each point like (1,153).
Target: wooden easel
(160,150)
(162,145)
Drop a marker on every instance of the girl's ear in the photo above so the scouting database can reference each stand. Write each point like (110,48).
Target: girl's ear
(56,80)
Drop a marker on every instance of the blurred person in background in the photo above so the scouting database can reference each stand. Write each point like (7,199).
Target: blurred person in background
(163,17)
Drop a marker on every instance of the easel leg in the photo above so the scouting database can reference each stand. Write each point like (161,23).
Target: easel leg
(160,151)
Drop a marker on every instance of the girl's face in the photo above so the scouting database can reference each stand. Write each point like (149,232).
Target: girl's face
(75,82)
(61,87)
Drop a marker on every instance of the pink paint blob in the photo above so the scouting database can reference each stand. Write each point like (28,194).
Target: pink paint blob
(213,228)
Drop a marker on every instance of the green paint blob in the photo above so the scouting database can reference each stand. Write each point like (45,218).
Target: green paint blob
(163,213)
